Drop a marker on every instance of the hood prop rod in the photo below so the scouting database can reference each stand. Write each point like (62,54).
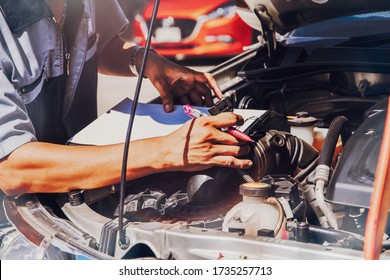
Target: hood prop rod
(124,241)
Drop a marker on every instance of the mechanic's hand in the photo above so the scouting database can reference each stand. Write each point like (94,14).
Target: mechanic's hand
(200,144)
(173,80)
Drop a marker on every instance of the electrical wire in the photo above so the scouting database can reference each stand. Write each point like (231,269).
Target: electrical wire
(123,241)
(380,198)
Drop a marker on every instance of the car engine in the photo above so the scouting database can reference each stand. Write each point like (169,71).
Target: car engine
(299,193)
(307,195)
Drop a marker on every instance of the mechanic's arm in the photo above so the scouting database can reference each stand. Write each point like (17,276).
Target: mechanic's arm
(38,167)
(169,78)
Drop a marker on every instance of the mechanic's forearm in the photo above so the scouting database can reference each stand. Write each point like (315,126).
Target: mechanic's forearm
(41,167)
(198,144)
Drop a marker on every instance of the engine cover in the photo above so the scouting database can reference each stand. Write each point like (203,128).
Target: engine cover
(353,178)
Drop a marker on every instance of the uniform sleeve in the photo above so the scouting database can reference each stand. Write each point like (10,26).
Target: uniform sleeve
(16,128)
(110,21)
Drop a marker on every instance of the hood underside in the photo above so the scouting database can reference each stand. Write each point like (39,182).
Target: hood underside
(186,9)
(286,15)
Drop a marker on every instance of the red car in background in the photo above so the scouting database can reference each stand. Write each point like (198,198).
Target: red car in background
(194,28)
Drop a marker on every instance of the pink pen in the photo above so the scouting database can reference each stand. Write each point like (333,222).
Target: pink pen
(195,113)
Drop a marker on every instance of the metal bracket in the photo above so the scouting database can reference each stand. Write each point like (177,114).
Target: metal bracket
(268,32)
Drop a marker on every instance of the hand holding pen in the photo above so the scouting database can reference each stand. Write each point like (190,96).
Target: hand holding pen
(195,113)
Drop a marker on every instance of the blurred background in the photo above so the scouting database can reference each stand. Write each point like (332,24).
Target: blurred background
(199,34)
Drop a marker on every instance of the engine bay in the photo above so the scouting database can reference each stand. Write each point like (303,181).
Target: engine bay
(279,200)
(306,197)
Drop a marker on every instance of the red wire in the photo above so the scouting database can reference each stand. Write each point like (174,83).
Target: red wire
(380,199)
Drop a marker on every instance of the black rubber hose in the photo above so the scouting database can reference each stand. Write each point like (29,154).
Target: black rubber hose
(348,240)
(339,126)
(329,232)
(304,232)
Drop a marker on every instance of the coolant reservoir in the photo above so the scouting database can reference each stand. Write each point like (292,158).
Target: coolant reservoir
(257,214)
(302,126)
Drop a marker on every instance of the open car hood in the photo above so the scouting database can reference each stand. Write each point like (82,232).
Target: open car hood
(286,15)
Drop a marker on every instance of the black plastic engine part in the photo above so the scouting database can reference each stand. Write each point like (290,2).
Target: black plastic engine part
(286,187)
(279,152)
(224,105)
(353,178)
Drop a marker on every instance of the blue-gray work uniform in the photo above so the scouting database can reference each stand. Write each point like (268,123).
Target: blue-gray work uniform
(48,75)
